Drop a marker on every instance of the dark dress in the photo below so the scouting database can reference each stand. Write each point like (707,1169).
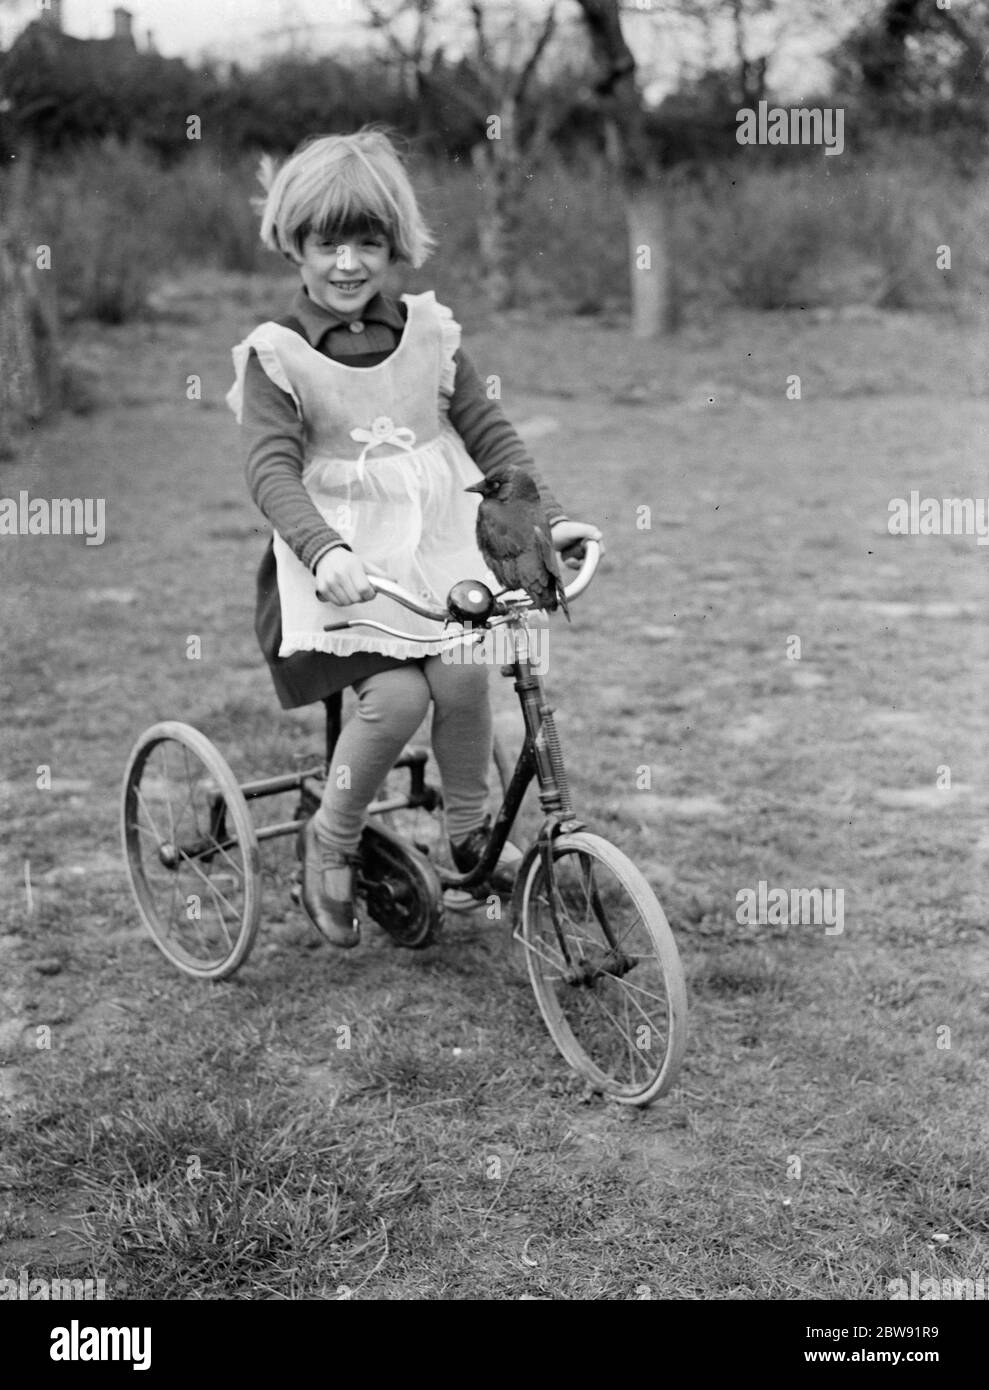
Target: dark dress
(304,677)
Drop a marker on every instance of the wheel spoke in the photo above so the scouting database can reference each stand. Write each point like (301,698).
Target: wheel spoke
(531,947)
(604,919)
(210,885)
(628,1036)
(192,786)
(144,807)
(564,919)
(168,801)
(220,918)
(148,834)
(176,895)
(630,998)
(630,984)
(232,862)
(596,996)
(169,779)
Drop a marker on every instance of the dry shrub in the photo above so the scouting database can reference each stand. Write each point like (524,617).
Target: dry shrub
(820,230)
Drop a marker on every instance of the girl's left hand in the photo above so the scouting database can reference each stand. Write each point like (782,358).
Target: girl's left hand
(568,537)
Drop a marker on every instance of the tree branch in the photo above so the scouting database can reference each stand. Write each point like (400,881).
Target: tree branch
(608,42)
(483,49)
(542,39)
(383,22)
(619,98)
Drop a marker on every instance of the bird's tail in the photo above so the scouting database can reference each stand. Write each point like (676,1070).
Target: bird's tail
(561,595)
(551,560)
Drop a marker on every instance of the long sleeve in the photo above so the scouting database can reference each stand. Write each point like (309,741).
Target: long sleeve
(274,439)
(488,437)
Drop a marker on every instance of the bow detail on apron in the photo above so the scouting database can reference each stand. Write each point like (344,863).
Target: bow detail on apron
(383,431)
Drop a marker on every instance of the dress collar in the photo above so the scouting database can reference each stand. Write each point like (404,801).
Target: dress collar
(318,321)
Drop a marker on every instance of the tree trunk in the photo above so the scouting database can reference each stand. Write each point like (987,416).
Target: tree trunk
(491,232)
(30,368)
(648,212)
(498,165)
(653,300)
(652,287)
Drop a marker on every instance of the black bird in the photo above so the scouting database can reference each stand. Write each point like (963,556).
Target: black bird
(513,535)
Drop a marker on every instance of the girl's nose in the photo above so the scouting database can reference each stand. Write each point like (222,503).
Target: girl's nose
(347,255)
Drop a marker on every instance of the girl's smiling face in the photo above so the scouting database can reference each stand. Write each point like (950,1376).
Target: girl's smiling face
(344,272)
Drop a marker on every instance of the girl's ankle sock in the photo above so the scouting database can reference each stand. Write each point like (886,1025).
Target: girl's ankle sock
(330,844)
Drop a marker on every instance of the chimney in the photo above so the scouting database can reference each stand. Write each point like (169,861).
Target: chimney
(51,14)
(123,24)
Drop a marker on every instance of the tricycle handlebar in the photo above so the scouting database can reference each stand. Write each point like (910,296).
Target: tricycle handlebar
(583,577)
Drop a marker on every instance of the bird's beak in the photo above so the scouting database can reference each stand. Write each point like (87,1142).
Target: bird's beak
(475,487)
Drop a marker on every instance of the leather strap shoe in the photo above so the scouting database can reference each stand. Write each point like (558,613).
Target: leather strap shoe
(468,851)
(332,917)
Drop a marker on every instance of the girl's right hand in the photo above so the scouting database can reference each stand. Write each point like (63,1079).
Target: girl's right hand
(342,579)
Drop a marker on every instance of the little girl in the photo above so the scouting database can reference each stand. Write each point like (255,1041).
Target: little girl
(363,424)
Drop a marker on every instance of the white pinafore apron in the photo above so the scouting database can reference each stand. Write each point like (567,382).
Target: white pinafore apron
(386,470)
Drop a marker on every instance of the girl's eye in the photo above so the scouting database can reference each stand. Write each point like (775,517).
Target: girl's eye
(374,243)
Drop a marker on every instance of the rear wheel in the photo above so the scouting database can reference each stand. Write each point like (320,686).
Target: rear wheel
(605,968)
(191,851)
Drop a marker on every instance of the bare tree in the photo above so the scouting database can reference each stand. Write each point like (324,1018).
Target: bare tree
(755,31)
(497,82)
(413,44)
(912,49)
(759,30)
(500,159)
(751,70)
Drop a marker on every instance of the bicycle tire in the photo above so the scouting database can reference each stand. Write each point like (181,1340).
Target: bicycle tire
(580,974)
(172,844)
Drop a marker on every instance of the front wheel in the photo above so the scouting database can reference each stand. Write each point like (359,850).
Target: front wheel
(604,968)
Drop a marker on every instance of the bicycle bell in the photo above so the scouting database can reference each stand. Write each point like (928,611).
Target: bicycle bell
(470,601)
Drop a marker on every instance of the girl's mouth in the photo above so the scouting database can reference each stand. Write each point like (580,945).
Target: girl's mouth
(347,286)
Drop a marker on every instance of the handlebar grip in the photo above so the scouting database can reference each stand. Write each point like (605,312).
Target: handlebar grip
(583,577)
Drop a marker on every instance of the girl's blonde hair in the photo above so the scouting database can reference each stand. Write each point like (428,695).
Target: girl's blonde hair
(340,183)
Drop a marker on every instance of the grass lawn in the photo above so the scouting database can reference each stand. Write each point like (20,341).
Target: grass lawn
(828,1131)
